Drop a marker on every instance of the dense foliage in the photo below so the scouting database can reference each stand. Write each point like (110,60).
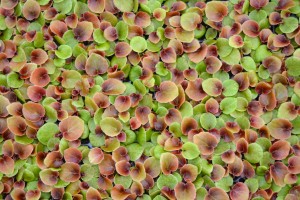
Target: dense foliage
(149,99)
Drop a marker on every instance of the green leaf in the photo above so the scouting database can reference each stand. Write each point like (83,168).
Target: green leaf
(124,6)
(46,132)
(252,184)
(223,47)
(98,36)
(64,52)
(186,110)
(289,24)
(233,58)
(228,105)
(69,39)
(14,81)
(125,181)
(230,87)
(292,65)
(23,139)
(111,126)
(248,63)
(135,151)
(190,150)
(96,140)
(225,183)
(258,15)
(254,154)
(261,53)
(208,121)
(166,180)
(64,6)
(122,29)
(70,78)
(138,44)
